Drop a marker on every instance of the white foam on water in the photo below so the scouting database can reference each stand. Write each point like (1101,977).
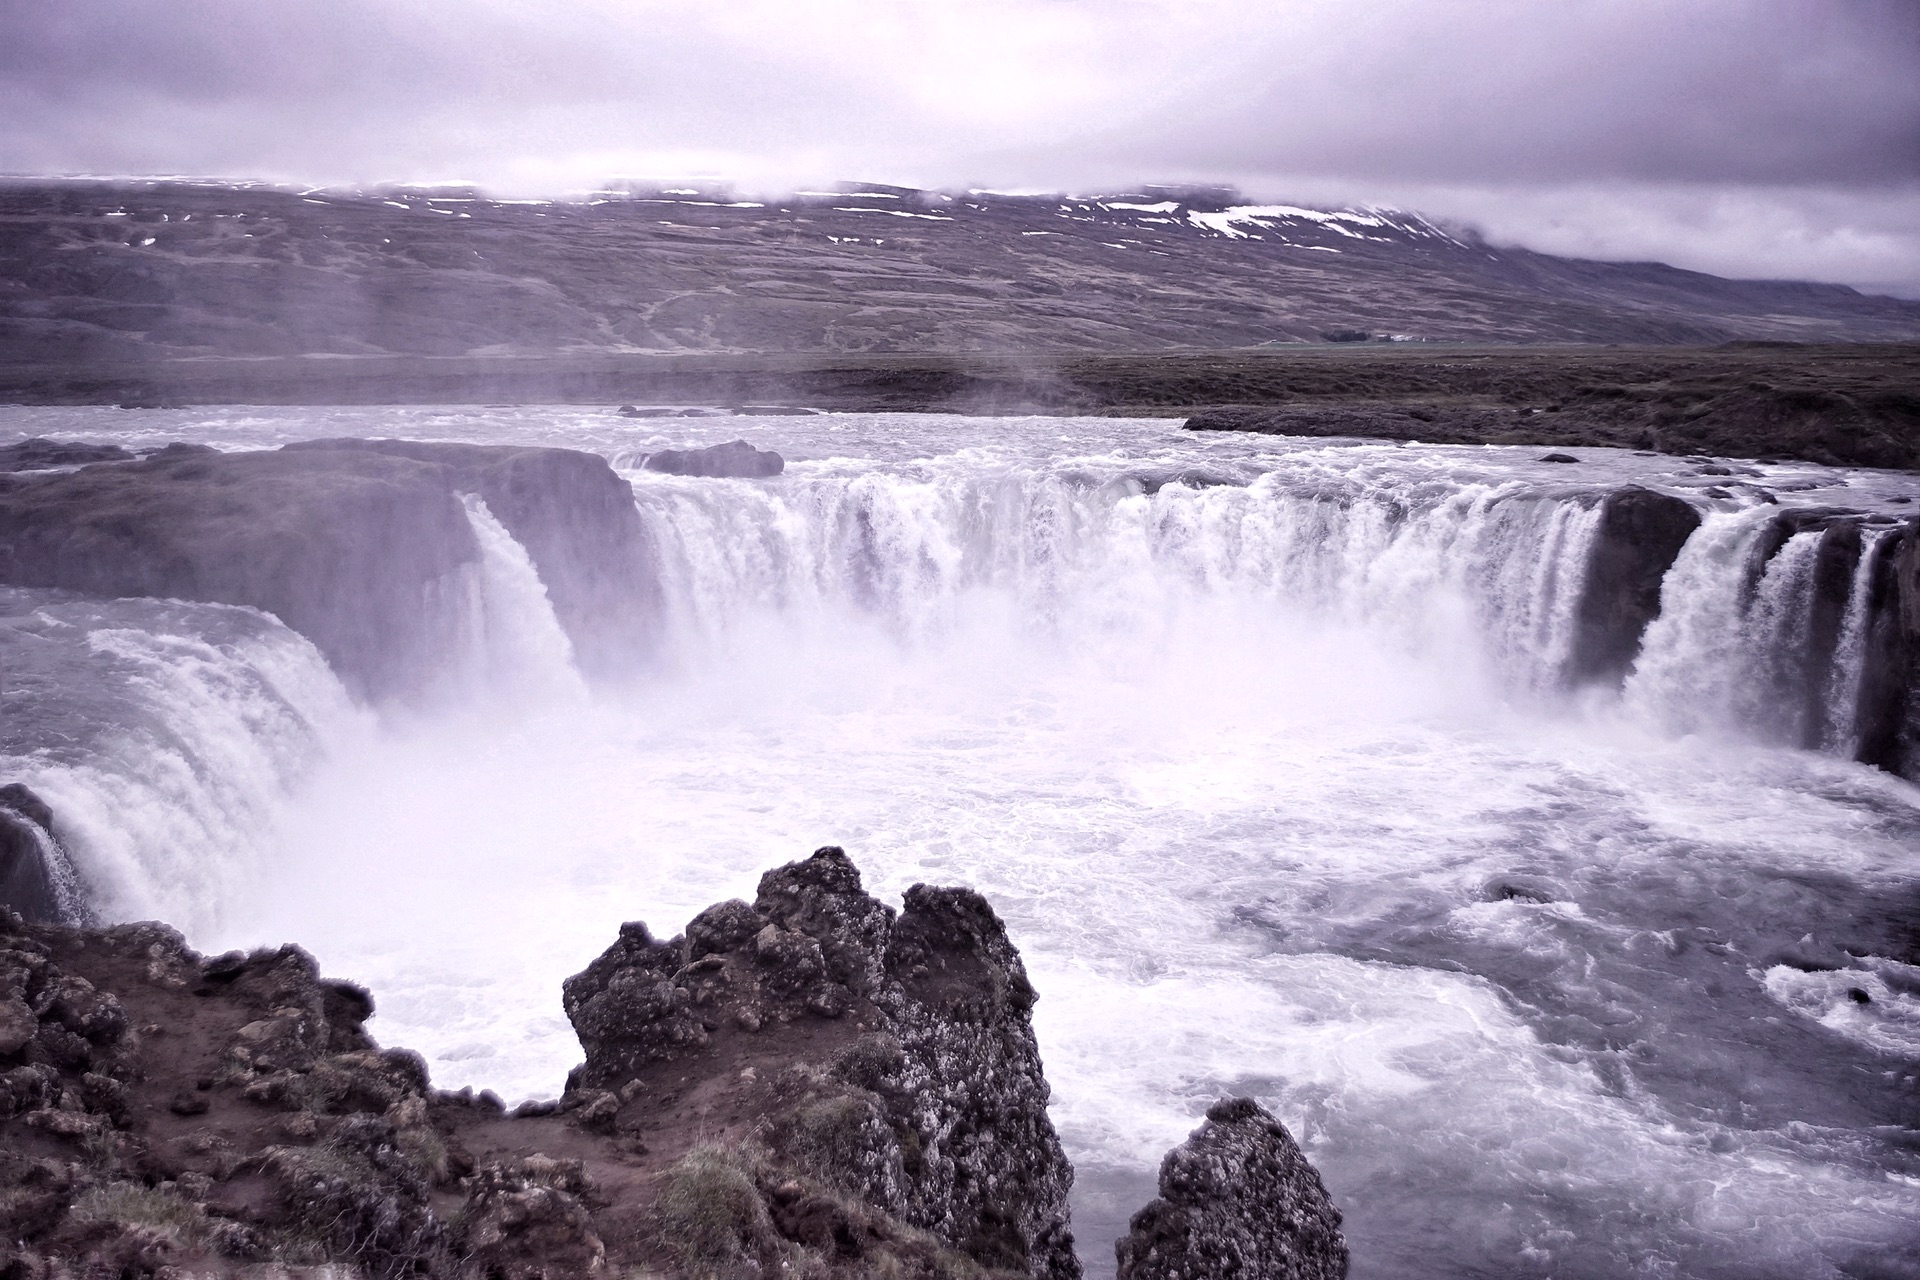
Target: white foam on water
(1858,1003)
(1118,821)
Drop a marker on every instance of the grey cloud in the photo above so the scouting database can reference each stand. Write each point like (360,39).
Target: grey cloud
(1531,116)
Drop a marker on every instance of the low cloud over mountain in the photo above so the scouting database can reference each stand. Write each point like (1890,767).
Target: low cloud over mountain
(1748,137)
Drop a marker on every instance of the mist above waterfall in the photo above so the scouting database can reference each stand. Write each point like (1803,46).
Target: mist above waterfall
(1271,754)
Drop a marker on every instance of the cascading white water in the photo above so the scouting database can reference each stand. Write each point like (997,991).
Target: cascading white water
(1266,772)
(1849,664)
(166,738)
(1774,635)
(1486,575)
(68,895)
(1698,659)
(210,715)
(1731,651)
(511,649)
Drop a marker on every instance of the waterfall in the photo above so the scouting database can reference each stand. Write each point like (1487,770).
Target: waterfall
(1265,751)
(1483,578)
(165,737)
(50,888)
(511,647)
(1843,691)
(1770,701)
(1736,649)
(1490,574)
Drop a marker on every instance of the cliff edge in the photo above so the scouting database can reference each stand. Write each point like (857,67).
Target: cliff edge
(301,531)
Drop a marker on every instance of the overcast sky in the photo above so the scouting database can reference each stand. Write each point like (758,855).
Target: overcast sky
(1746,137)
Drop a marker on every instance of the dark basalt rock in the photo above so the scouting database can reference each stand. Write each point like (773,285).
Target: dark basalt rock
(1889,706)
(355,544)
(33,864)
(735,459)
(349,549)
(812,1084)
(576,518)
(527,1219)
(38,453)
(1640,535)
(1238,1201)
(928,1101)
(321,1136)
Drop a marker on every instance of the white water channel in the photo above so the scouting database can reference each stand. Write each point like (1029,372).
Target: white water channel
(1259,747)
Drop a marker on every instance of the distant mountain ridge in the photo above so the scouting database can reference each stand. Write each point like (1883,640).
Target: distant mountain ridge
(113,271)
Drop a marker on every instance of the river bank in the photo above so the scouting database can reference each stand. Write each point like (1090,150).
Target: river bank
(1854,405)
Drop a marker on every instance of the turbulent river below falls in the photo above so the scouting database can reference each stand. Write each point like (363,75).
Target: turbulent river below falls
(1261,747)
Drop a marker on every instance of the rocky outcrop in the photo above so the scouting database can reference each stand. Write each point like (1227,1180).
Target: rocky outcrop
(736,459)
(809,1084)
(1238,1201)
(909,1074)
(358,545)
(158,1109)
(1639,537)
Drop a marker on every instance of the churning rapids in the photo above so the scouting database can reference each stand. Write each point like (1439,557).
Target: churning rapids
(1262,748)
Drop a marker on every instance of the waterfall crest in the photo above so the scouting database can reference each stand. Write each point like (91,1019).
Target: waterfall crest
(1489,573)
(1761,626)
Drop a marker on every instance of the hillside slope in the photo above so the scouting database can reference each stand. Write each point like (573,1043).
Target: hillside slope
(94,271)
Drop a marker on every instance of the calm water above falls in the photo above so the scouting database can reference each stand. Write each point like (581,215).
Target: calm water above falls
(1260,747)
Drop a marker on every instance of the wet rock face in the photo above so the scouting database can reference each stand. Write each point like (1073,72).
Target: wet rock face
(1889,707)
(736,459)
(1238,1201)
(1640,535)
(342,548)
(576,518)
(357,545)
(35,875)
(921,1091)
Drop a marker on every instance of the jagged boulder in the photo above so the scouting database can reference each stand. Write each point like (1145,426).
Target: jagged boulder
(736,459)
(914,1081)
(164,1113)
(528,1220)
(1238,1201)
